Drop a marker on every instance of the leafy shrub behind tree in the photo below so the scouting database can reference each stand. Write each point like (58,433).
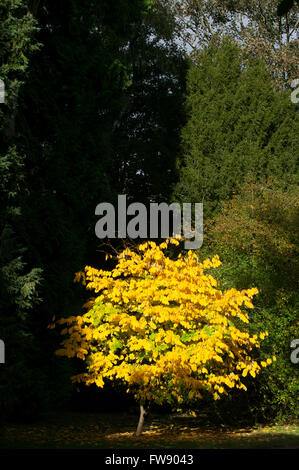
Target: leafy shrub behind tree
(256,236)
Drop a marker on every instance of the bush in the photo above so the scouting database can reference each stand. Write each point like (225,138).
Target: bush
(256,235)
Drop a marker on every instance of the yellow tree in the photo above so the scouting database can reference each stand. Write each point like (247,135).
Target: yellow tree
(163,327)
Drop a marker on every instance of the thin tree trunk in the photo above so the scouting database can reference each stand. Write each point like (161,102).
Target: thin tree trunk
(141,420)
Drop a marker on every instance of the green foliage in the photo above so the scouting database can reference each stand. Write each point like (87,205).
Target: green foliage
(19,282)
(257,231)
(238,126)
(275,395)
(16,45)
(256,234)
(146,136)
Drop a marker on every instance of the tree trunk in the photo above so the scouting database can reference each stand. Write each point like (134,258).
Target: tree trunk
(141,420)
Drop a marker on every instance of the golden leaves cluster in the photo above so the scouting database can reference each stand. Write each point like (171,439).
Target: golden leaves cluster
(163,327)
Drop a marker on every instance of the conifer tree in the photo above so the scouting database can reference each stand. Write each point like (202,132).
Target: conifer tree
(238,127)
(19,282)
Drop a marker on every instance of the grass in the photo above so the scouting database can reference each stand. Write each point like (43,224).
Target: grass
(115,431)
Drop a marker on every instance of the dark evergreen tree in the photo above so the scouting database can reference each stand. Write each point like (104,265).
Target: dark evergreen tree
(238,127)
(70,132)
(147,133)
(19,281)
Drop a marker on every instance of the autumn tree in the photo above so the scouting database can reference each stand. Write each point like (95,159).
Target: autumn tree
(164,328)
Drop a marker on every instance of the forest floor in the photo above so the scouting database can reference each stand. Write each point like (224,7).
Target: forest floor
(77,430)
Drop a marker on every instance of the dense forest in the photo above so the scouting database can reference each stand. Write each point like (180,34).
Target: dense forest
(164,101)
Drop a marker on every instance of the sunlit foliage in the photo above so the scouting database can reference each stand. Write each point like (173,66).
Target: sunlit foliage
(163,327)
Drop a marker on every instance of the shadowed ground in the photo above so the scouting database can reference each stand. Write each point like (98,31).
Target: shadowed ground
(115,431)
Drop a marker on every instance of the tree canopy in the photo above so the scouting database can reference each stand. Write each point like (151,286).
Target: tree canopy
(164,327)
